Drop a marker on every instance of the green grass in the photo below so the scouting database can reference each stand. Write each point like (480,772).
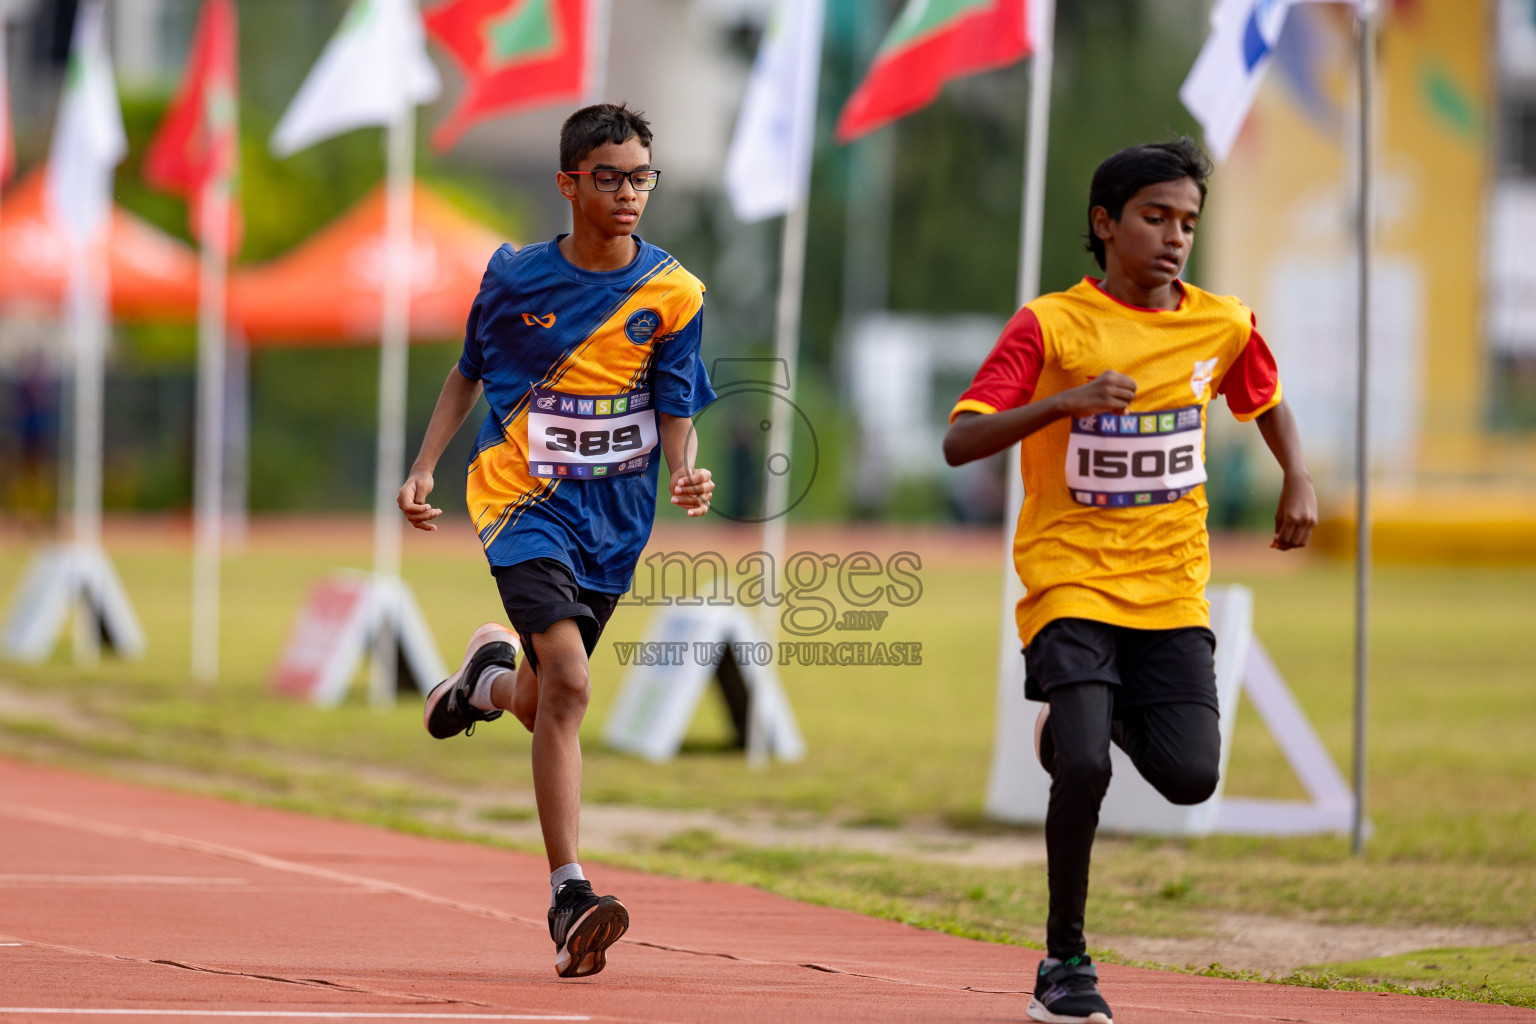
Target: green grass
(1509,969)
(1482,992)
(1452,769)
(503,813)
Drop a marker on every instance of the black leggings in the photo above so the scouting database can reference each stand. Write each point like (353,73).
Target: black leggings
(1176,747)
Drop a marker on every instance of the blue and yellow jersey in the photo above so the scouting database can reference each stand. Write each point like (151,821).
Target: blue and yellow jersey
(540,322)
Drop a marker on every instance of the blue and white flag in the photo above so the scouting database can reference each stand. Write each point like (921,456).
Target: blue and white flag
(768,168)
(1227,74)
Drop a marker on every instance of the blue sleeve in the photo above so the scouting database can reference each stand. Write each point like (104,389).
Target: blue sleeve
(472,361)
(680,385)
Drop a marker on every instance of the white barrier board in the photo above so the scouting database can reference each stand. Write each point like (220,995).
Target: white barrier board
(337,628)
(670,671)
(1019,789)
(65,579)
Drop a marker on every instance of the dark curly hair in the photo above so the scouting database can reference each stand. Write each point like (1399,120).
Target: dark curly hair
(598,125)
(1129,171)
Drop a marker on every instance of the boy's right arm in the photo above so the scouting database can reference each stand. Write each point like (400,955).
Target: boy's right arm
(975,435)
(454,402)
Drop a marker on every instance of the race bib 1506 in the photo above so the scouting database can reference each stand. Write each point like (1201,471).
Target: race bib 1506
(1119,460)
(589,437)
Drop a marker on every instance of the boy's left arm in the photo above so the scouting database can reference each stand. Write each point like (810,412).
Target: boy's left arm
(1297,513)
(690,487)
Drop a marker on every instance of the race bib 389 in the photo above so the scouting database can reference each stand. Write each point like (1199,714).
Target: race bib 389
(589,437)
(1120,460)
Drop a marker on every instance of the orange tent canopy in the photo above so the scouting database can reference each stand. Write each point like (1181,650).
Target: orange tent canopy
(328,288)
(154,276)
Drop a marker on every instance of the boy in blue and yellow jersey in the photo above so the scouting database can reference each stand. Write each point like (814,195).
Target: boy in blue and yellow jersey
(587,351)
(1107,385)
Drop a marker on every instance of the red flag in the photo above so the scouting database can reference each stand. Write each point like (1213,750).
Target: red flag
(514,54)
(199,138)
(932,42)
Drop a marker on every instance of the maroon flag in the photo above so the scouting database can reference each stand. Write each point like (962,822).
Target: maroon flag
(932,42)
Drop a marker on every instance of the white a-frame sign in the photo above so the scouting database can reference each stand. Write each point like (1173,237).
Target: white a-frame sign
(1019,788)
(670,670)
(340,625)
(67,578)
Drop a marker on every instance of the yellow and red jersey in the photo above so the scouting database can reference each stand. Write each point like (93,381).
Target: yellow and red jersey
(1113,523)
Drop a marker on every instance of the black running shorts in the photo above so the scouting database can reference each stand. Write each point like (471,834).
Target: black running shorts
(540,592)
(1146,666)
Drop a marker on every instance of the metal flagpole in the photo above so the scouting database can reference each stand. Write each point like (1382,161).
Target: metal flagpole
(1362,422)
(211,320)
(786,349)
(395,324)
(1043,34)
(88,291)
(600,26)
(786,342)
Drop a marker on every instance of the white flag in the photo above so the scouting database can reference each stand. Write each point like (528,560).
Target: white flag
(1226,77)
(768,168)
(374,67)
(88,140)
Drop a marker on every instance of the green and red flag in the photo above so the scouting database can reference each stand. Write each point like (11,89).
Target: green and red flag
(514,54)
(932,42)
(198,142)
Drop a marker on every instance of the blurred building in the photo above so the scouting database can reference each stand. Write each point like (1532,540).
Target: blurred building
(1511,248)
(1453,347)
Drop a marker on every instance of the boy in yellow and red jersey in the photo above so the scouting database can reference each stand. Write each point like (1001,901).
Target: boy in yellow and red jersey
(587,351)
(1107,385)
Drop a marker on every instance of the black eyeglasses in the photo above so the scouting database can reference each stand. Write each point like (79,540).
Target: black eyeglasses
(611,181)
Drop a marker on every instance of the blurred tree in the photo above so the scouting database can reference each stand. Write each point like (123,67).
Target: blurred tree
(1119,65)
(955,191)
(959,162)
(313,411)
(288,200)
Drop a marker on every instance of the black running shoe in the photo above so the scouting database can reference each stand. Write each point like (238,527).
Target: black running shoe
(448,711)
(1068,993)
(583,926)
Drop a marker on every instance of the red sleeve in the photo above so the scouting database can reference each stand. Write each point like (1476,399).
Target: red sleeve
(1252,383)
(1008,376)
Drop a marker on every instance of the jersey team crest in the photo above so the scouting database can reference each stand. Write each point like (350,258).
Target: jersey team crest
(1200,378)
(642,325)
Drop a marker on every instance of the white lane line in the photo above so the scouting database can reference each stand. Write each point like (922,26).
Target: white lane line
(122,879)
(289,1014)
(12,943)
(260,860)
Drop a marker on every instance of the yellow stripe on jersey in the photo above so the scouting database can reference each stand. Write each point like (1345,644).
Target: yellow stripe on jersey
(608,362)
(1274,400)
(498,480)
(970,405)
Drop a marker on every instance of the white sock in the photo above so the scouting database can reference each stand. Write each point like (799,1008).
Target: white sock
(480,697)
(564,873)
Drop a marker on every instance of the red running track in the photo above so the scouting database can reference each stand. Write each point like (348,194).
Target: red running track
(124,903)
